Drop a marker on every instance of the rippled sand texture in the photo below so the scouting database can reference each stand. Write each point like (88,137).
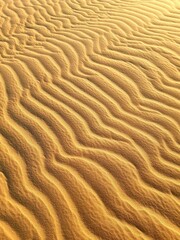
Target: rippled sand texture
(89,119)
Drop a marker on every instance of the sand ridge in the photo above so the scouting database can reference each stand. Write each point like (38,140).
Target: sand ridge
(89,120)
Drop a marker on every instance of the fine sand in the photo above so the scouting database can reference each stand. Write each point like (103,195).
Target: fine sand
(89,119)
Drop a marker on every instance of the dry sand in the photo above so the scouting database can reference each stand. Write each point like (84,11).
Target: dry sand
(89,119)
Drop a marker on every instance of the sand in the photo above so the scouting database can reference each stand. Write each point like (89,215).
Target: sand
(89,119)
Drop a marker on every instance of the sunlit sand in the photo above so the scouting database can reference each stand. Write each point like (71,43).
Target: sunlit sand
(89,119)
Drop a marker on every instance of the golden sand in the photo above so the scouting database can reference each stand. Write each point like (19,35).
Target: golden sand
(89,119)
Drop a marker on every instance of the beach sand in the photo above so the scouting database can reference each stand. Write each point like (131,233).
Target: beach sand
(89,119)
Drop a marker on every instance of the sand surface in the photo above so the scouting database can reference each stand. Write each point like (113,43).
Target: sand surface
(89,119)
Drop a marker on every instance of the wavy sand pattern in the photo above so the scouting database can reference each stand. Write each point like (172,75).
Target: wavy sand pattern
(89,119)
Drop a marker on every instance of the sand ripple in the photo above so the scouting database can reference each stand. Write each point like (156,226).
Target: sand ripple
(89,120)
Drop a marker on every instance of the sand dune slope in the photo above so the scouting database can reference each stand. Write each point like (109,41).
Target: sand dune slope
(89,119)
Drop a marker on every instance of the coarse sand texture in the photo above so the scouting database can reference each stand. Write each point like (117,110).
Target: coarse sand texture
(89,119)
